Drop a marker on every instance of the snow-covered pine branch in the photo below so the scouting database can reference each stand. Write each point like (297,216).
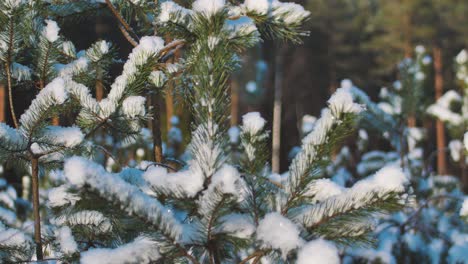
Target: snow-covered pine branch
(332,125)
(331,216)
(14,245)
(110,187)
(374,117)
(141,250)
(53,95)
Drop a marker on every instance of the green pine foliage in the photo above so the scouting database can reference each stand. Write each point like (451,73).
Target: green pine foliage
(213,209)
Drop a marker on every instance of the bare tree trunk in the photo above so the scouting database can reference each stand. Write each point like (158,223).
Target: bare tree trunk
(99,90)
(332,71)
(36,209)
(464,171)
(411,121)
(440,130)
(169,98)
(156,125)
(277,109)
(234,103)
(407,31)
(56,121)
(2,103)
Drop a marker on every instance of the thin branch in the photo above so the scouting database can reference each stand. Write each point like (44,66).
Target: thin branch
(107,152)
(160,164)
(256,255)
(36,261)
(36,209)
(44,67)
(8,73)
(124,27)
(127,36)
(425,204)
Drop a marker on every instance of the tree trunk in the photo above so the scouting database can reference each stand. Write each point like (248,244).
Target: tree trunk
(36,209)
(156,125)
(277,109)
(407,30)
(332,84)
(2,103)
(440,130)
(99,90)
(169,98)
(411,120)
(464,171)
(56,121)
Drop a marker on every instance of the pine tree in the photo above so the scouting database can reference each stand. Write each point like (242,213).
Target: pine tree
(430,229)
(214,209)
(451,109)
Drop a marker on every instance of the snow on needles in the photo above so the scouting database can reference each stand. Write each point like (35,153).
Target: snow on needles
(322,189)
(390,178)
(238,225)
(141,250)
(56,90)
(111,187)
(60,197)
(318,251)
(226,179)
(253,123)
(148,46)
(342,102)
(134,106)
(258,6)
(65,238)
(171,10)
(53,94)
(11,135)
(289,12)
(64,136)
(441,109)
(208,7)
(188,182)
(465,141)
(464,209)
(51,31)
(278,232)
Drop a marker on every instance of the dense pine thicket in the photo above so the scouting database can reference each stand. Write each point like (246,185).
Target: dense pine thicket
(217,201)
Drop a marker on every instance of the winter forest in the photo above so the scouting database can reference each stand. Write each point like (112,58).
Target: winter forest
(234,131)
